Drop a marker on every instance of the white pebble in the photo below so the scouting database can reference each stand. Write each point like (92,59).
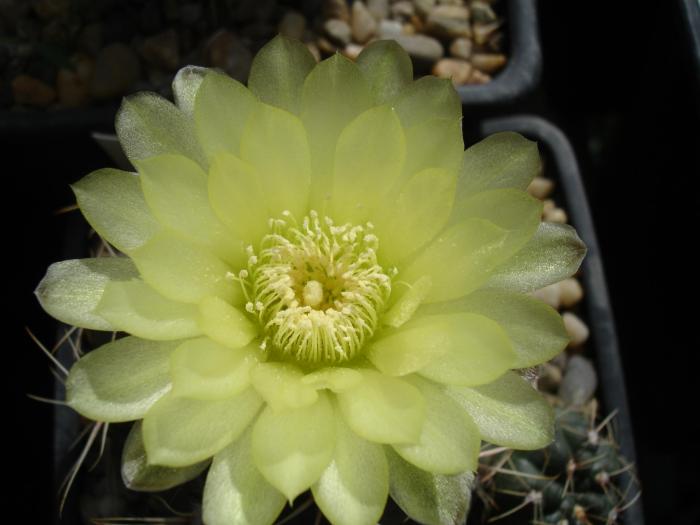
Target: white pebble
(570,292)
(556,215)
(576,328)
(541,187)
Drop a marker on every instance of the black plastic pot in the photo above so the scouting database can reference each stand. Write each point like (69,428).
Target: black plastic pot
(557,150)
(522,72)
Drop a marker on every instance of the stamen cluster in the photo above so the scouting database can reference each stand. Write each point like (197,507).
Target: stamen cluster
(316,288)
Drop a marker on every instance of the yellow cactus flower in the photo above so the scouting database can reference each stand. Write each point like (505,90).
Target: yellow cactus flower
(321,290)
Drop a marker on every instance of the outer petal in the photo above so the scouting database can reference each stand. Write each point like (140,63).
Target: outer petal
(508,412)
(334,93)
(432,499)
(178,431)
(479,351)
(280,384)
(183,271)
(459,260)
(148,125)
(186,84)
(236,492)
(237,198)
(278,72)
(428,98)
(502,160)
(71,290)
(274,141)
(383,409)
(535,329)
(553,254)
(139,475)
(419,213)
(449,442)
(387,69)
(134,307)
(121,380)
(175,189)
(221,111)
(368,161)
(291,448)
(203,369)
(510,209)
(354,487)
(112,202)
(225,323)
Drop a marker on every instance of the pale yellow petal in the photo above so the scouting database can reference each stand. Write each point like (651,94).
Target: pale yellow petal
(134,307)
(334,93)
(203,369)
(368,161)
(275,143)
(418,214)
(237,198)
(291,448)
(180,431)
(183,271)
(176,191)
(280,384)
(221,110)
(225,323)
(383,409)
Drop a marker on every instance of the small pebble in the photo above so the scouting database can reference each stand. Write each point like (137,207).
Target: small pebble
(424,6)
(454,68)
(560,360)
(325,46)
(421,47)
(579,382)
(293,25)
(408,29)
(444,27)
(482,12)
(488,62)
(550,377)
(314,50)
(390,29)
(571,292)
(336,9)
(479,77)
(161,50)
(547,206)
(72,85)
(461,48)
(455,12)
(364,26)
(226,51)
(550,295)
(352,51)
(117,68)
(482,32)
(556,215)
(378,8)
(403,9)
(338,31)
(576,328)
(31,91)
(541,187)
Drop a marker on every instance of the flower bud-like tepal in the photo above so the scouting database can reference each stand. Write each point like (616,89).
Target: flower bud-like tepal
(320,289)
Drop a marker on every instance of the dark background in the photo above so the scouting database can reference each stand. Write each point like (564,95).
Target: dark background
(619,79)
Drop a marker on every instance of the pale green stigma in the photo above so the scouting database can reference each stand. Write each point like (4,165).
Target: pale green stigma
(316,288)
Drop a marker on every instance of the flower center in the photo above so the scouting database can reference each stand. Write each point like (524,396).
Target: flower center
(316,288)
